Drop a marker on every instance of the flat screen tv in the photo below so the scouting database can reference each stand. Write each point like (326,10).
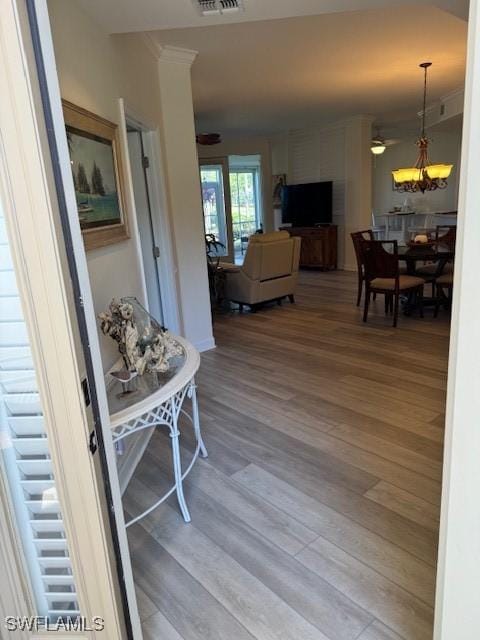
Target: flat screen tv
(307,205)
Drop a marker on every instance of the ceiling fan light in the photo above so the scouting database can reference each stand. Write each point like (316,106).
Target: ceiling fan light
(378,149)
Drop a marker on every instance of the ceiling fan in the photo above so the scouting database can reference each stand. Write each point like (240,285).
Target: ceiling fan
(379,143)
(208,138)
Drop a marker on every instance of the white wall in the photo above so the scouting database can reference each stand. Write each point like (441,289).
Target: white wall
(279,154)
(182,178)
(444,147)
(318,154)
(95,70)
(248,145)
(457,612)
(89,74)
(330,153)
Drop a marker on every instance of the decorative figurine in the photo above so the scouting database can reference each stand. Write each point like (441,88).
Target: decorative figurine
(145,346)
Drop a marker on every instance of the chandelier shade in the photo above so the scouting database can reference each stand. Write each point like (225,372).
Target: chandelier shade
(424,176)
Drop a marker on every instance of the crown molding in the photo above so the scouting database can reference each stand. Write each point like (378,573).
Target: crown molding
(169,53)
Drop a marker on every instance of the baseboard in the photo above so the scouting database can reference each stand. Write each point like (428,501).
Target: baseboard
(205,345)
(349,267)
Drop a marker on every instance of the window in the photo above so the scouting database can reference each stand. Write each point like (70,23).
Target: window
(214,204)
(244,193)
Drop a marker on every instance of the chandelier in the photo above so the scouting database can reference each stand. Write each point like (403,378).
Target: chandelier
(423,176)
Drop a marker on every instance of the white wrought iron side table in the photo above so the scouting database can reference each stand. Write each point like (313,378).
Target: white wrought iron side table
(152,405)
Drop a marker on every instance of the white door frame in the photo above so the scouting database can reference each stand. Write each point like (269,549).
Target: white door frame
(223,162)
(31,211)
(162,228)
(458,580)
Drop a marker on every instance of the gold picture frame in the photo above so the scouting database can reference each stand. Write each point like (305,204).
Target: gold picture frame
(97,172)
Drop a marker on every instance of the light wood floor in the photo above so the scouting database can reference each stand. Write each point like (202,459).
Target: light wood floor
(316,514)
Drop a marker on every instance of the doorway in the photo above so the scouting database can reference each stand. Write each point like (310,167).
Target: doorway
(217,210)
(245,194)
(139,165)
(232,195)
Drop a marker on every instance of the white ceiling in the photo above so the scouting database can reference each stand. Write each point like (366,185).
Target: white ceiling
(254,75)
(273,75)
(120,16)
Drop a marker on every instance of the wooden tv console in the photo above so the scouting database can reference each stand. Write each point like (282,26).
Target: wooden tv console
(319,246)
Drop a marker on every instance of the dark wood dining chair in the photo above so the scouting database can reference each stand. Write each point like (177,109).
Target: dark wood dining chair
(357,238)
(442,283)
(382,275)
(446,234)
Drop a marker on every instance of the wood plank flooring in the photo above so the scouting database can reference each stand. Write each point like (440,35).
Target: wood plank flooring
(316,514)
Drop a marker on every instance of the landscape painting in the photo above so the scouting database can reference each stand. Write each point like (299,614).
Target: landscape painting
(93,145)
(93,169)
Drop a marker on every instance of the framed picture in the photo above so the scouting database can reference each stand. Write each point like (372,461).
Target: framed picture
(279,181)
(97,175)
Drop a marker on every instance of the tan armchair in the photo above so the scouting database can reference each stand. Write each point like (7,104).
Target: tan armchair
(269,271)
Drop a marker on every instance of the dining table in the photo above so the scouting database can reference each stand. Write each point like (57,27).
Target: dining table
(427,253)
(431,252)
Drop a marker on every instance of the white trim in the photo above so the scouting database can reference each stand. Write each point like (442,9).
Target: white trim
(457,614)
(168,53)
(30,211)
(177,55)
(162,229)
(100,554)
(130,198)
(205,345)
(14,589)
(163,232)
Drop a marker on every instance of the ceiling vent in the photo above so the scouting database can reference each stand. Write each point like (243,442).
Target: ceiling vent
(218,7)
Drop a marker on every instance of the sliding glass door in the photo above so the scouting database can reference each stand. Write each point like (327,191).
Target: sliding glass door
(217,214)
(231,193)
(245,197)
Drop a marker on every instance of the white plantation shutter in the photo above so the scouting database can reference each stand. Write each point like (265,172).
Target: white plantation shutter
(26,458)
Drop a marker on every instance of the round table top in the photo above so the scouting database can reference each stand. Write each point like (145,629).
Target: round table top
(436,251)
(150,394)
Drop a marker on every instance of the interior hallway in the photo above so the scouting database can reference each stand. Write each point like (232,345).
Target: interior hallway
(316,514)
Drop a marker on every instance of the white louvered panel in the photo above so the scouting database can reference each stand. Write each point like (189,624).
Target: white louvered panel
(31,446)
(3,231)
(27,457)
(53,582)
(61,613)
(17,382)
(47,526)
(5,258)
(26,425)
(55,547)
(13,358)
(23,403)
(43,507)
(37,487)
(68,600)
(12,333)
(34,467)
(53,566)
(10,308)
